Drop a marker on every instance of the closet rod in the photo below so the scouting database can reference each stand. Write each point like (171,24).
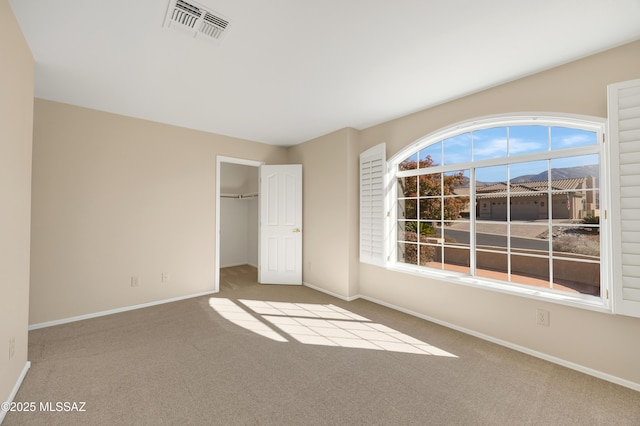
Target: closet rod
(240,196)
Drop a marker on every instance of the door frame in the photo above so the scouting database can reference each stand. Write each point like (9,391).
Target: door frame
(219,160)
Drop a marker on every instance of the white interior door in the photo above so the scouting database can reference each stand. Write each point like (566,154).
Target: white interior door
(280,243)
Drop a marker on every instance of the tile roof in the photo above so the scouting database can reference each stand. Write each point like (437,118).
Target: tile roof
(522,189)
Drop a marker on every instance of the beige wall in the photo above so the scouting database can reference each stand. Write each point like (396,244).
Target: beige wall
(602,342)
(578,87)
(16,120)
(115,197)
(329,169)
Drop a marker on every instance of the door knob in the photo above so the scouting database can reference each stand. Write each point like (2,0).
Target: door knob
(297,230)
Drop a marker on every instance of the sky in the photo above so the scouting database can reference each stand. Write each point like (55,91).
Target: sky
(511,141)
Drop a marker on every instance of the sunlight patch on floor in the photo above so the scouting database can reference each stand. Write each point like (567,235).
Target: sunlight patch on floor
(314,324)
(234,313)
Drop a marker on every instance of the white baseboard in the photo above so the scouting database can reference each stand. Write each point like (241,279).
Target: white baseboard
(231,265)
(581,368)
(15,388)
(115,311)
(330,293)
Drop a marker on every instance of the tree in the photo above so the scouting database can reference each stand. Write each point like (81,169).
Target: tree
(438,187)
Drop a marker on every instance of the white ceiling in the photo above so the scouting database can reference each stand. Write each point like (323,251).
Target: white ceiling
(291,70)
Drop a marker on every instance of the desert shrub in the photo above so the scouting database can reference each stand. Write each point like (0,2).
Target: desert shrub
(576,243)
(411,250)
(591,220)
(425,228)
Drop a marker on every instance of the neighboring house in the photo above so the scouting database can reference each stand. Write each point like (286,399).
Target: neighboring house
(572,199)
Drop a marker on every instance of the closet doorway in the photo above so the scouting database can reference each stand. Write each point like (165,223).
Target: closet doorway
(237,213)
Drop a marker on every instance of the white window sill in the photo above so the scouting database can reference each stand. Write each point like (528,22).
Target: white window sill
(577,301)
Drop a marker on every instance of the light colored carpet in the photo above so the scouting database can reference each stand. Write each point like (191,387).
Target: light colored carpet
(185,363)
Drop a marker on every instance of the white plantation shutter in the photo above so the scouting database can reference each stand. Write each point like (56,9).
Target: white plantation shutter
(624,128)
(372,177)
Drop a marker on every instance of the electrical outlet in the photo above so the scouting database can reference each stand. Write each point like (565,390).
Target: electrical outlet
(135,281)
(542,317)
(165,277)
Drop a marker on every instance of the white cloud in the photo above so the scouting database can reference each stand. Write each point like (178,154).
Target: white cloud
(490,148)
(576,140)
(521,146)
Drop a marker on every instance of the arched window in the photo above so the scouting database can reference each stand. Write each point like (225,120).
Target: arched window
(510,201)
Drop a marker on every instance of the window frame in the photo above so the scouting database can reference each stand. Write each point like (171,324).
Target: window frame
(594,124)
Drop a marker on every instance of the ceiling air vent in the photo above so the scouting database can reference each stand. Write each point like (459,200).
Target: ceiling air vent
(196,20)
